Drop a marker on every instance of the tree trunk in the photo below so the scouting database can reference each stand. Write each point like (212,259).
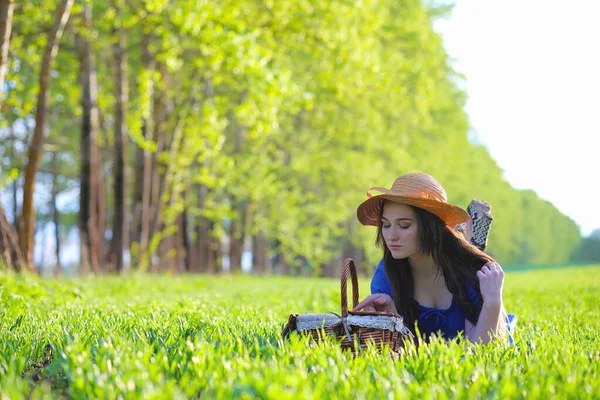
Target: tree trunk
(208,246)
(169,176)
(100,210)
(180,235)
(238,225)
(283,264)
(169,253)
(193,247)
(10,253)
(334,269)
(156,187)
(261,264)
(167,179)
(55,214)
(280,262)
(143,161)
(327,269)
(185,230)
(163,107)
(6,18)
(235,247)
(237,236)
(350,251)
(120,237)
(89,185)
(15,204)
(143,197)
(138,190)
(41,229)
(15,208)
(203,239)
(215,262)
(27,221)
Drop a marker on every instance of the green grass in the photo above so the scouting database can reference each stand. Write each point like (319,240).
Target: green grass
(219,337)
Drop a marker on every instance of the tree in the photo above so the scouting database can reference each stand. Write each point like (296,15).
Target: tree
(241,121)
(6,17)
(27,220)
(90,231)
(120,228)
(588,250)
(9,250)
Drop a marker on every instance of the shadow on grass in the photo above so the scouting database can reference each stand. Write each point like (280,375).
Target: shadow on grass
(45,372)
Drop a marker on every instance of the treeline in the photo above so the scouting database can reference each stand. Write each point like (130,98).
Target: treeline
(588,251)
(173,135)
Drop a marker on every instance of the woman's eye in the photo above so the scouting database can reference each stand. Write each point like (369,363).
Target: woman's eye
(404,226)
(386,226)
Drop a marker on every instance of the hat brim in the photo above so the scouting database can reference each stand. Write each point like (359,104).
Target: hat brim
(369,212)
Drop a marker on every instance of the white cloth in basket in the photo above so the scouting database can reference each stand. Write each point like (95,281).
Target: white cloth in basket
(318,321)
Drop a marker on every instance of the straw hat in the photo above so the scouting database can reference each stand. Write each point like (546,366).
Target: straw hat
(414,189)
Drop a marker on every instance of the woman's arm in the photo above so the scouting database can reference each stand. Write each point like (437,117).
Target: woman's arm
(491,325)
(491,322)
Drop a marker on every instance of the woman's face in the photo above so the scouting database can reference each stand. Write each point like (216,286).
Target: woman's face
(400,230)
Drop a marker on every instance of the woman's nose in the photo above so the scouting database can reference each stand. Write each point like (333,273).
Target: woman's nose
(393,234)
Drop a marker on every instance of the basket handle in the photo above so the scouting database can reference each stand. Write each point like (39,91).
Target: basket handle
(349,268)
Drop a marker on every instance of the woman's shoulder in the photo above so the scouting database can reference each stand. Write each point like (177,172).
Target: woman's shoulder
(379,282)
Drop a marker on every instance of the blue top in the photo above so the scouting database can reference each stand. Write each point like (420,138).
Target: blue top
(448,322)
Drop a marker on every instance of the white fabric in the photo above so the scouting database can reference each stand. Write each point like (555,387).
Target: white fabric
(378,322)
(318,321)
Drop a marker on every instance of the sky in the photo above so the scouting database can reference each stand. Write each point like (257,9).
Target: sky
(532,71)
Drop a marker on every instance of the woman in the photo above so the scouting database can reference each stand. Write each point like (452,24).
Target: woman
(440,282)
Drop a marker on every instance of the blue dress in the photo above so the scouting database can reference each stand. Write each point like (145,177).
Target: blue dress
(448,322)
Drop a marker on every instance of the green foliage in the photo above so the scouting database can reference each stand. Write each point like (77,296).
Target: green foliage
(219,337)
(588,251)
(10,176)
(292,108)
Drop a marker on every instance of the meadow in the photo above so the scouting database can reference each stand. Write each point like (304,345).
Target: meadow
(155,337)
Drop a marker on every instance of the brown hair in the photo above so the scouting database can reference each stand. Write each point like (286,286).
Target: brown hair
(456,258)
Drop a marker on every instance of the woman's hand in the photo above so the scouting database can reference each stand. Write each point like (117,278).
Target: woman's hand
(491,279)
(380,302)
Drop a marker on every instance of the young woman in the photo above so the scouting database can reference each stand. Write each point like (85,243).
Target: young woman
(440,283)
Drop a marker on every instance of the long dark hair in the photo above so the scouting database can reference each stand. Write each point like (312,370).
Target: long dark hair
(457,259)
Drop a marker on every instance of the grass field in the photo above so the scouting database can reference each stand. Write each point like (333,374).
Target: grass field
(219,337)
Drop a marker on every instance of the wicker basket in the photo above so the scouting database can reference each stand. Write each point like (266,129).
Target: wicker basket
(352,329)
